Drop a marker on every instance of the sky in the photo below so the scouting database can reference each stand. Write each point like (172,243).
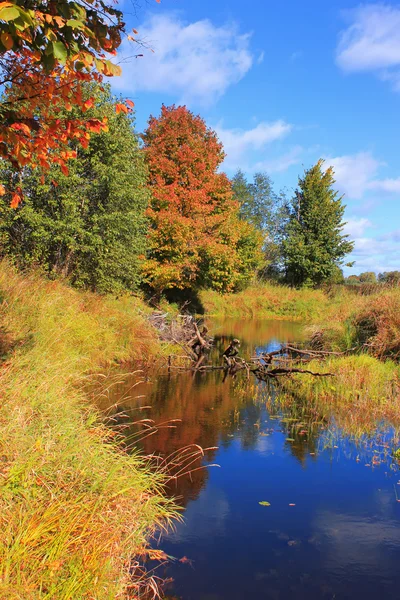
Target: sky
(284,83)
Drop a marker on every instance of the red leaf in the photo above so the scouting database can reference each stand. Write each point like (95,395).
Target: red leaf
(65,170)
(130,103)
(2,190)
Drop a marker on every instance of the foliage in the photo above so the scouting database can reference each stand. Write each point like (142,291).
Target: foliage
(196,238)
(313,245)
(89,226)
(263,208)
(75,510)
(48,50)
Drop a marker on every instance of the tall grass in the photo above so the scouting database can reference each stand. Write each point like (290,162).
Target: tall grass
(74,508)
(371,322)
(266,301)
(363,392)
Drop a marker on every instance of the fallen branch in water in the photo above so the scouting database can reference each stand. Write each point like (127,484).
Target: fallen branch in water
(260,373)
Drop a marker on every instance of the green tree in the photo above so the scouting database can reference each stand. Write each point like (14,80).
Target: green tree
(89,226)
(264,209)
(368,277)
(314,245)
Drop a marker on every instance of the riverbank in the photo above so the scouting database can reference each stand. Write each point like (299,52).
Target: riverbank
(266,301)
(365,388)
(74,508)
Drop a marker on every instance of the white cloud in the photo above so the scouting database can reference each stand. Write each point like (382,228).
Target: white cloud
(195,61)
(238,142)
(353,172)
(356,174)
(260,58)
(279,164)
(372,42)
(376,254)
(355,227)
(390,186)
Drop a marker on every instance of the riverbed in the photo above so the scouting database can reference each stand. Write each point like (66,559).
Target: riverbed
(292,508)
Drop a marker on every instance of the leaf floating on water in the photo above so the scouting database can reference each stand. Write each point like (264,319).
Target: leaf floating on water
(292,505)
(264,503)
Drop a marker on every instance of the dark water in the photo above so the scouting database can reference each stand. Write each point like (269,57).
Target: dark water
(341,537)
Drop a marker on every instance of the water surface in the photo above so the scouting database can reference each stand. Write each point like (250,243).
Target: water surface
(332,526)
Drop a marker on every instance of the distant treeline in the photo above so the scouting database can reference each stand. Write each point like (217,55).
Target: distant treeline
(389,278)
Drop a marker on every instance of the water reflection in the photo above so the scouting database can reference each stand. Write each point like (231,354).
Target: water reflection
(332,527)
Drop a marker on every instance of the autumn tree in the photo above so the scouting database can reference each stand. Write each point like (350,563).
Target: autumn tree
(48,50)
(196,237)
(89,226)
(314,245)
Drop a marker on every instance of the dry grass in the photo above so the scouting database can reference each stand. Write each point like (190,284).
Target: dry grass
(74,508)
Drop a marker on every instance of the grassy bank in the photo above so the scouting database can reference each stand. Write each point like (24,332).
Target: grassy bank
(266,301)
(370,322)
(338,319)
(364,392)
(74,508)
(365,388)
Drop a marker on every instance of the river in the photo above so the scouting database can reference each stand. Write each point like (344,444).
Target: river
(294,509)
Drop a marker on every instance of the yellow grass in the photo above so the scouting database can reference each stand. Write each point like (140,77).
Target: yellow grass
(74,508)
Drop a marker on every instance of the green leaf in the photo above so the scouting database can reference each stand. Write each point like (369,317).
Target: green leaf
(26,16)
(264,503)
(9,13)
(59,51)
(75,24)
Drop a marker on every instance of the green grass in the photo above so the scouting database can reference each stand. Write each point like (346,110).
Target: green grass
(266,301)
(74,507)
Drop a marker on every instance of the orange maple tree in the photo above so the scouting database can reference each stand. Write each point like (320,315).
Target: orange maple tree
(196,236)
(48,50)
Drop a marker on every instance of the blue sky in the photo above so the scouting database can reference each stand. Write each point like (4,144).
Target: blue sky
(283,84)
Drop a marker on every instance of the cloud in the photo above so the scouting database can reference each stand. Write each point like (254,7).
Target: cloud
(197,62)
(279,164)
(376,254)
(372,42)
(355,227)
(353,172)
(238,143)
(390,186)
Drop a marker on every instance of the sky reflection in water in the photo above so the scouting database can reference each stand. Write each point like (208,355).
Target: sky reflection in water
(341,539)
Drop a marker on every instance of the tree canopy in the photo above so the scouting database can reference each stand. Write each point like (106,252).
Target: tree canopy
(314,245)
(89,225)
(196,236)
(48,50)
(261,206)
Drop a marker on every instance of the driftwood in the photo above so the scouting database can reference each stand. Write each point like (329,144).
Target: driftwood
(284,361)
